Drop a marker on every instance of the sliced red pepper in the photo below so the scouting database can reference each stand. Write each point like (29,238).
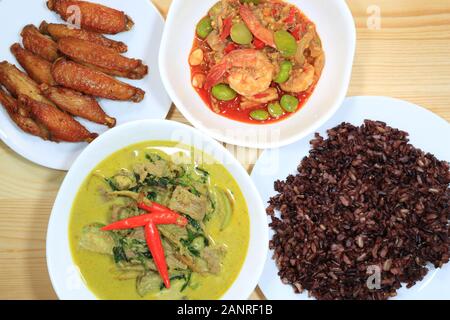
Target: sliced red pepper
(230,47)
(258,44)
(291,18)
(156,249)
(142,220)
(260,95)
(226,29)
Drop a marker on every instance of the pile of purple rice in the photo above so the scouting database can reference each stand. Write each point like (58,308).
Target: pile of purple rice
(364,201)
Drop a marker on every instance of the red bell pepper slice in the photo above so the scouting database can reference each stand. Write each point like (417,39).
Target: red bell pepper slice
(226,30)
(258,44)
(230,47)
(260,95)
(291,18)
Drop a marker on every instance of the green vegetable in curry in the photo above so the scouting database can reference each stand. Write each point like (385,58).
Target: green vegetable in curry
(286,43)
(275,109)
(289,103)
(223,92)
(284,73)
(240,34)
(203,258)
(204,27)
(216,9)
(260,115)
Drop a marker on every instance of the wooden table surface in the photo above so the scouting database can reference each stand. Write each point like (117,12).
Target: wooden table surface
(407,56)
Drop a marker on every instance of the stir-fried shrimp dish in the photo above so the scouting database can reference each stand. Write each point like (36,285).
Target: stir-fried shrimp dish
(256,61)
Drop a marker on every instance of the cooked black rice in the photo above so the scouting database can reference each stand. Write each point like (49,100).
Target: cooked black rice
(363,200)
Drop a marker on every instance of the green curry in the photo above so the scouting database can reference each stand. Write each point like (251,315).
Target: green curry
(204,258)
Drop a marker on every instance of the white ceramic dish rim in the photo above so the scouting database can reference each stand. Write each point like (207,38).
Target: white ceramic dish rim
(270,284)
(57,163)
(57,243)
(344,84)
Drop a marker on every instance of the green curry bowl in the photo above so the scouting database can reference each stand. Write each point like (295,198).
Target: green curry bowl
(154,210)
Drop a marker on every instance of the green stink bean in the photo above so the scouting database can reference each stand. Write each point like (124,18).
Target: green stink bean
(275,109)
(240,34)
(259,115)
(285,43)
(285,72)
(216,9)
(223,92)
(250,1)
(289,103)
(204,27)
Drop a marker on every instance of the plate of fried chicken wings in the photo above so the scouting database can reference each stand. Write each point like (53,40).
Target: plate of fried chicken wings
(70,70)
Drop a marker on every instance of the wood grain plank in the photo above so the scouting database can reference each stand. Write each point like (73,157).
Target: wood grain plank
(407,58)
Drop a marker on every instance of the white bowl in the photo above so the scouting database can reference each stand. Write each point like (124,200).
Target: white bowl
(64,274)
(336,28)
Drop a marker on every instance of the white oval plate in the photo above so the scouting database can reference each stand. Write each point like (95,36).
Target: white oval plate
(143,43)
(64,274)
(337,30)
(427,131)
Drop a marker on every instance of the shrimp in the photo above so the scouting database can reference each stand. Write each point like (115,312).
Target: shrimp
(247,71)
(263,34)
(300,80)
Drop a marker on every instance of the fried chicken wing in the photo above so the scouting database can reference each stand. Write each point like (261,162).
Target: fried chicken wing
(38,69)
(103,59)
(39,44)
(8,102)
(20,116)
(67,100)
(77,104)
(58,31)
(92,82)
(93,17)
(62,127)
(17,82)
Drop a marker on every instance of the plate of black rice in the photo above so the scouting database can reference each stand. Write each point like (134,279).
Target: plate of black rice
(360,210)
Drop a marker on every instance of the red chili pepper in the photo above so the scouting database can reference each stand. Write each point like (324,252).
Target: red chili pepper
(258,44)
(226,30)
(156,249)
(154,207)
(142,220)
(159,214)
(230,47)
